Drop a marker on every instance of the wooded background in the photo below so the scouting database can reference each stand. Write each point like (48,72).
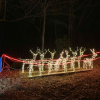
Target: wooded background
(53,24)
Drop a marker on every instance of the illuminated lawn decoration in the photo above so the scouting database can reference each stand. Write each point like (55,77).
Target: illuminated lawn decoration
(61,54)
(30,68)
(56,65)
(52,57)
(34,54)
(88,62)
(50,66)
(72,63)
(23,67)
(23,64)
(40,68)
(64,62)
(94,54)
(73,58)
(52,53)
(81,51)
(42,54)
(58,61)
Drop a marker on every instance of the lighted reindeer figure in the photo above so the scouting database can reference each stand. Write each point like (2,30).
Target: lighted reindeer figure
(52,53)
(30,68)
(73,58)
(34,54)
(52,56)
(50,66)
(56,65)
(94,54)
(65,61)
(42,54)
(61,54)
(89,61)
(58,62)
(81,51)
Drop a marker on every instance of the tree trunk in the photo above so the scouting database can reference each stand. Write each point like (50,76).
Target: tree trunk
(43,34)
(71,24)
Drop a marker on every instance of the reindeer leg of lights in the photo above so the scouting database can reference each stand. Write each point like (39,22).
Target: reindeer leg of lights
(66,59)
(91,64)
(52,55)
(23,67)
(72,63)
(42,65)
(79,62)
(85,63)
(49,67)
(30,69)
(39,69)
(65,65)
(56,67)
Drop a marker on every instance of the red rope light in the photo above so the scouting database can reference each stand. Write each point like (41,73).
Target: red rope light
(17,60)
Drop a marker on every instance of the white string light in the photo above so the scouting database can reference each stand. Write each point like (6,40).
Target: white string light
(73,58)
(34,54)
(50,66)
(42,54)
(30,68)
(81,53)
(23,67)
(65,61)
(52,53)
(39,68)
(89,61)
(56,65)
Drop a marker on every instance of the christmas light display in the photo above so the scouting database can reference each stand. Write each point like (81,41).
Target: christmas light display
(88,62)
(52,57)
(64,64)
(81,51)
(40,68)
(34,54)
(52,53)
(67,56)
(42,54)
(30,68)
(56,65)
(50,66)
(73,58)
(61,55)
(94,54)
(23,67)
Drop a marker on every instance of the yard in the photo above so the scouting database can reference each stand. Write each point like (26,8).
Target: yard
(75,86)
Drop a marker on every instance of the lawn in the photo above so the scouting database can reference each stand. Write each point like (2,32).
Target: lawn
(75,86)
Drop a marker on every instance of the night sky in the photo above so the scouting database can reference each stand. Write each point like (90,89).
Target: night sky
(18,37)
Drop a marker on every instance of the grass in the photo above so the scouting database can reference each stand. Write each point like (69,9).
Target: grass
(76,86)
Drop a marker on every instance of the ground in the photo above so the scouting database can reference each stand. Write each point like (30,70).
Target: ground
(76,86)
